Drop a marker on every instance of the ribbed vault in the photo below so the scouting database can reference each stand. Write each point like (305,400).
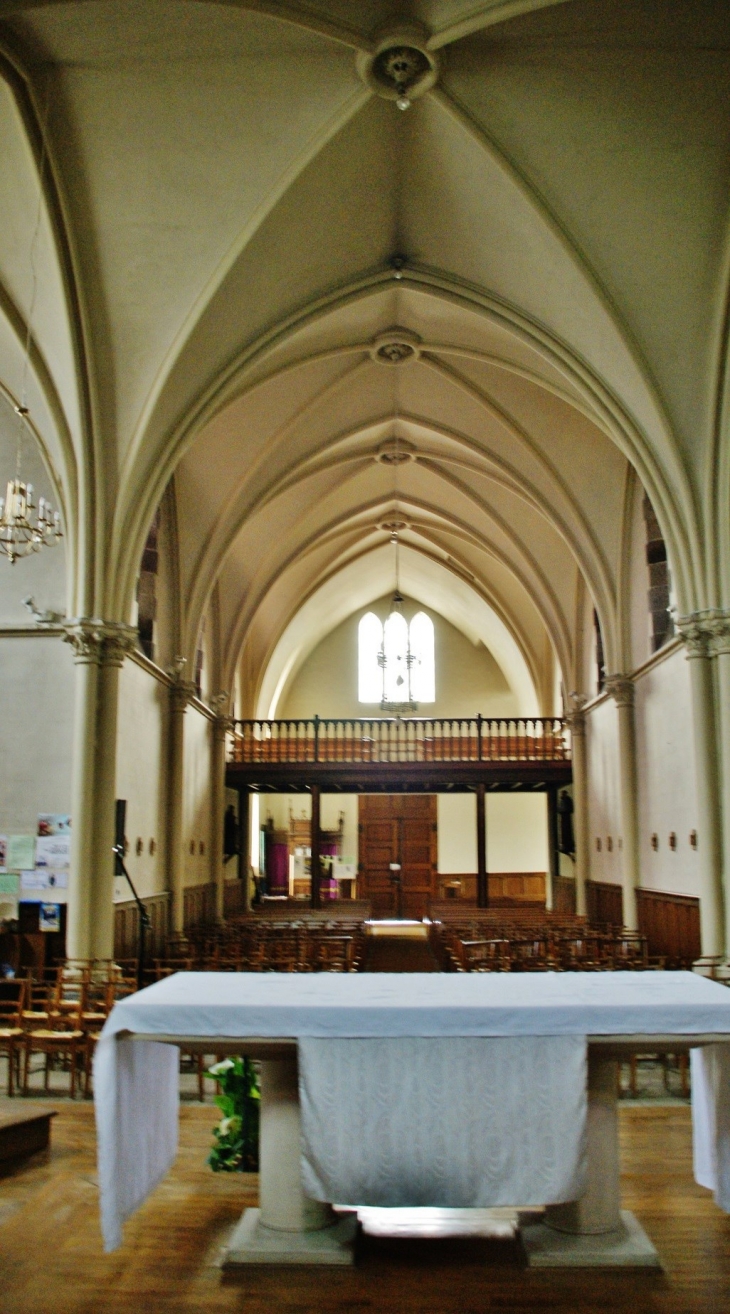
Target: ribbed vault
(222,197)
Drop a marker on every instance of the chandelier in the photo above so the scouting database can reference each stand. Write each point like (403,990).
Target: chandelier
(395,658)
(25,528)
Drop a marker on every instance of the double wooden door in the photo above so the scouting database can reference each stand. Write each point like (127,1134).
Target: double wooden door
(398,855)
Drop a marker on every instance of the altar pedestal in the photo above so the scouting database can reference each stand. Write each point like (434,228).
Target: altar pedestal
(593,1231)
(287,1228)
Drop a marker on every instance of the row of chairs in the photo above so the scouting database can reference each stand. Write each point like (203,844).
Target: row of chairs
(59,1013)
(540,948)
(276,946)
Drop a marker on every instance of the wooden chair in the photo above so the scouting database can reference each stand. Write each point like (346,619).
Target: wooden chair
(62,1038)
(11,1028)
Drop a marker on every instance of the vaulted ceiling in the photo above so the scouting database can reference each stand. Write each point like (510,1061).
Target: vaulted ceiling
(223,196)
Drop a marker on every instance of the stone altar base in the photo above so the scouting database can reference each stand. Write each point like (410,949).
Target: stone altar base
(253,1243)
(627,1247)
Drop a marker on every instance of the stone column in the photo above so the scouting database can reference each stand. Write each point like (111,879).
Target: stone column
(100,648)
(697,632)
(621,689)
(721,650)
(577,724)
(220,728)
(181,691)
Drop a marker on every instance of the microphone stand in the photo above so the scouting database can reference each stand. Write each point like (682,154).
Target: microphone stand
(143,915)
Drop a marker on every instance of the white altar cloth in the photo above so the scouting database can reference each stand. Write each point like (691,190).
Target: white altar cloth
(143,1093)
(461,1122)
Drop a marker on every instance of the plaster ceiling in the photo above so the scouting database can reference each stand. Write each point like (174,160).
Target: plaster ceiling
(221,199)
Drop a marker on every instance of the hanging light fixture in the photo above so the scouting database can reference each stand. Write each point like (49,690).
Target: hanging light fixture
(21,531)
(25,528)
(394,658)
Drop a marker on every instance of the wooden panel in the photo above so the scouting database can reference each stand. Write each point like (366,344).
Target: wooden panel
(510,887)
(564,895)
(234,901)
(671,924)
(126,926)
(398,828)
(604,903)
(198,905)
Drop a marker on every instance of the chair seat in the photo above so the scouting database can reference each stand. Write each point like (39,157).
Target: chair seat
(55,1035)
(10,1033)
(33,1015)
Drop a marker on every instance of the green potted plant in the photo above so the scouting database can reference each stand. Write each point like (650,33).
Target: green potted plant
(236,1145)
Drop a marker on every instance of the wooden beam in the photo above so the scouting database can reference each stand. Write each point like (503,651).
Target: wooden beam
(316,866)
(482,888)
(553,851)
(244,843)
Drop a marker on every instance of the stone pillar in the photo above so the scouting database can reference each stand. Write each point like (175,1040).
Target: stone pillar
(220,728)
(697,632)
(181,691)
(721,650)
(100,648)
(577,724)
(621,689)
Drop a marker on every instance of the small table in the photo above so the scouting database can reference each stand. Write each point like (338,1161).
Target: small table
(262,1016)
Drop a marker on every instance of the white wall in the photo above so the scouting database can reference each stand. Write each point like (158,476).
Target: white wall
(196,798)
(37,685)
(666,773)
(468,679)
(517,838)
(142,776)
(516,833)
(604,816)
(457,833)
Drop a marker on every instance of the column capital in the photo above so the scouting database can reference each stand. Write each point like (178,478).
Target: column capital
(720,639)
(218,701)
(702,630)
(181,693)
(99,642)
(575,716)
(621,689)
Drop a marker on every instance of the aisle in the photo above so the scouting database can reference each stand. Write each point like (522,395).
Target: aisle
(395,954)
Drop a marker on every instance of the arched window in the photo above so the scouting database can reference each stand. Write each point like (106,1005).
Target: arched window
(369,669)
(395,651)
(396,662)
(422,663)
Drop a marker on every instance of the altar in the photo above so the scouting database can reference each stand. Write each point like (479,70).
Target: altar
(319,1018)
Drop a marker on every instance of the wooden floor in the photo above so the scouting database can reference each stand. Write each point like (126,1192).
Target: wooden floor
(51,1261)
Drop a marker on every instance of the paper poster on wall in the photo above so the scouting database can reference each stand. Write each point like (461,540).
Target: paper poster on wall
(3,852)
(54,823)
(53,851)
(44,885)
(9,884)
(21,852)
(49,917)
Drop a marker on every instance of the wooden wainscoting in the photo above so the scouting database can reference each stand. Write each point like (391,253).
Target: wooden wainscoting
(198,905)
(604,903)
(564,895)
(671,924)
(234,901)
(504,887)
(126,926)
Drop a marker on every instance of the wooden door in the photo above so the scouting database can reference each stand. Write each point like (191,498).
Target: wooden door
(398,829)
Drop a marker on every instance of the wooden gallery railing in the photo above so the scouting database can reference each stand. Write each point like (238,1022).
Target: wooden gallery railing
(402,740)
